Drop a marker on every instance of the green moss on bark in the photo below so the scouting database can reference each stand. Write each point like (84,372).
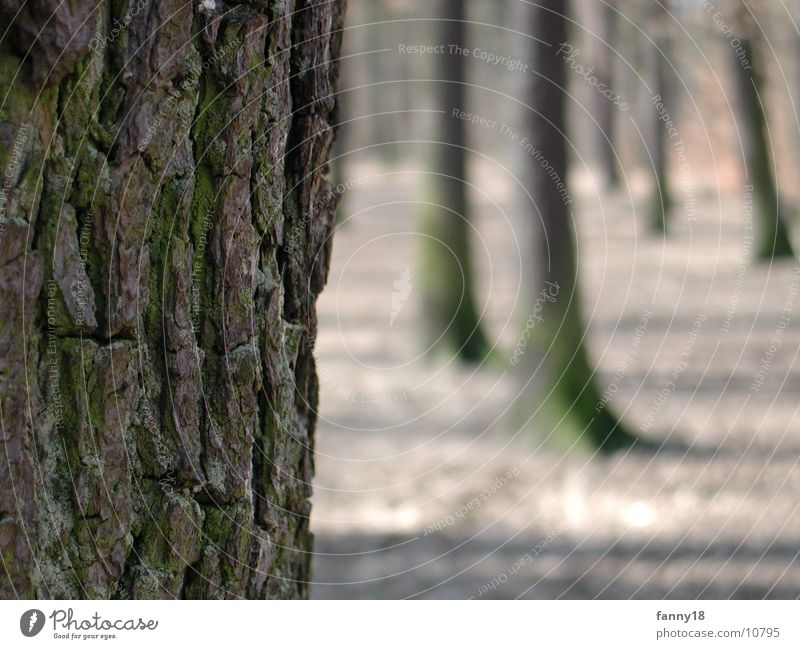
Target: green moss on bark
(161,450)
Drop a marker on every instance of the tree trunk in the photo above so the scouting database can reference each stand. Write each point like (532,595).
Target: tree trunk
(567,383)
(773,238)
(448,289)
(657,60)
(382,68)
(165,234)
(605,17)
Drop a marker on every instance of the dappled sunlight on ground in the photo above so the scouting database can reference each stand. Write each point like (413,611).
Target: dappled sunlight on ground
(425,488)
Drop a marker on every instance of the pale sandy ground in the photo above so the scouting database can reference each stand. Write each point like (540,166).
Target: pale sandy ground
(405,442)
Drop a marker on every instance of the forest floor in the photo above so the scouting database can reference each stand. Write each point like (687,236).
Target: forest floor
(427,485)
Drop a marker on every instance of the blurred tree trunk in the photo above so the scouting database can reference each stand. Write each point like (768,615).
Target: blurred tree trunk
(568,386)
(773,237)
(448,287)
(383,67)
(164,240)
(605,28)
(657,62)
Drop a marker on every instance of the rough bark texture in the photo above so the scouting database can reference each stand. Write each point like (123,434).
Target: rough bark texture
(165,222)
(568,390)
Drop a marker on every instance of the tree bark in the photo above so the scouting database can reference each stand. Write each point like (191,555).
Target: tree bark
(567,385)
(165,232)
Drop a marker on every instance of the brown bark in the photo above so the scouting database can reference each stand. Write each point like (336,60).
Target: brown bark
(165,233)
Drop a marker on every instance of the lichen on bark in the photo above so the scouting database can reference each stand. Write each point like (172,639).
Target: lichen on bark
(157,386)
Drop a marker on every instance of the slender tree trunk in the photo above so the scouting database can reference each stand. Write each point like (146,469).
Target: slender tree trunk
(605,110)
(773,237)
(165,235)
(448,289)
(657,62)
(382,67)
(567,384)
